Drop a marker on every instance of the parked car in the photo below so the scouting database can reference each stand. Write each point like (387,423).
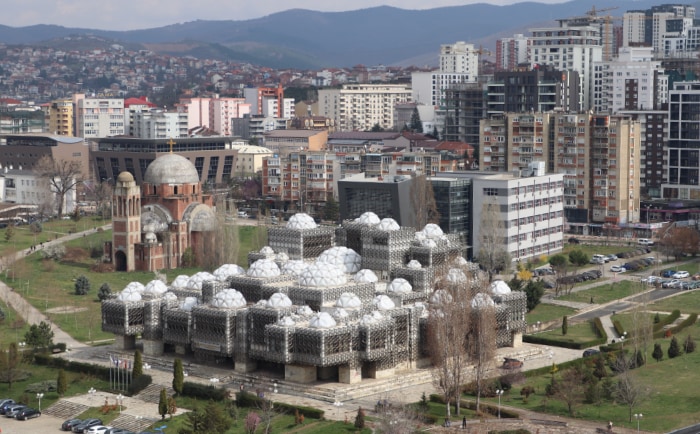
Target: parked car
(680,275)
(242,214)
(12,410)
(7,403)
(645,242)
(670,283)
(611,257)
(27,413)
(590,352)
(618,269)
(574,240)
(668,273)
(69,424)
(98,429)
(597,261)
(509,363)
(84,425)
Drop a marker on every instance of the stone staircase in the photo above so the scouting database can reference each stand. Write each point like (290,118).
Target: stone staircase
(152,393)
(65,409)
(132,423)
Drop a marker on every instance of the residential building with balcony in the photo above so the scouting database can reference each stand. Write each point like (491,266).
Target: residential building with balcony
(99,117)
(284,142)
(61,117)
(512,141)
(362,106)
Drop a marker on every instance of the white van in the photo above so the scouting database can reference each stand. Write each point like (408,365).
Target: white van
(645,242)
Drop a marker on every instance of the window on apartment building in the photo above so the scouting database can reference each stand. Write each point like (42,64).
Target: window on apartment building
(490,192)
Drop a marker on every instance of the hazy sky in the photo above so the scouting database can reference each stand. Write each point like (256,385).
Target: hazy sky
(138,14)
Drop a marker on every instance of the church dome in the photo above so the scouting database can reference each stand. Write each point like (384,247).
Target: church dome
(125,177)
(171,169)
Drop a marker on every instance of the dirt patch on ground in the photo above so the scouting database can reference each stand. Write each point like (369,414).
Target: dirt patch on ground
(66,309)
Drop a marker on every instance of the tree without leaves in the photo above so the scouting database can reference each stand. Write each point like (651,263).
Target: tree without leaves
(103,198)
(10,364)
(571,387)
(423,202)
(172,406)
(492,256)
(680,240)
(481,341)
(628,390)
(62,176)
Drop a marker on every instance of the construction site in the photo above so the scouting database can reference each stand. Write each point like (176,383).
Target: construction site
(318,304)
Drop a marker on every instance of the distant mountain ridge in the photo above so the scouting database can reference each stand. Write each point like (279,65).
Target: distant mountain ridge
(300,38)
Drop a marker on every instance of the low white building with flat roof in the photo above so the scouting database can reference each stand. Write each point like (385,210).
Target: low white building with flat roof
(530,207)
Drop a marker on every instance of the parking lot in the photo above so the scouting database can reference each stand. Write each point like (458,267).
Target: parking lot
(42,424)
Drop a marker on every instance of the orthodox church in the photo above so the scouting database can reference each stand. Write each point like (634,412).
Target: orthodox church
(154,224)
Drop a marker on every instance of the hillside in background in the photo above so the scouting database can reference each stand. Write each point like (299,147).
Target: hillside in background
(309,39)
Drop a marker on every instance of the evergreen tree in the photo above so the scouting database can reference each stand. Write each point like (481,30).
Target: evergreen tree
(657,318)
(137,370)
(104,292)
(658,353)
(216,420)
(416,124)
(39,336)
(178,376)
(674,350)
(9,233)
(436,134)
(331,210)
(360,419)
(163,404)
(82,285)
(565,325)
(61,383)
(639,362)
(689,344)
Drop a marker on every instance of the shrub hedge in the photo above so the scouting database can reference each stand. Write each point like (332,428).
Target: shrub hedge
(139,383)
(204,391)
(692,319)
(245,399)
(555,342)
(470,405)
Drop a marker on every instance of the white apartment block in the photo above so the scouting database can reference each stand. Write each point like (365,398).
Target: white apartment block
(569,48)
(633,28)
(511,52)
(359,107)
(24,187)
(158,124)
(634,81)
(270,107)
(459,63)
(460,58)
(99,117)
(530,208)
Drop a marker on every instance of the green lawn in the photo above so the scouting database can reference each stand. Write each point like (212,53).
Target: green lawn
(13,326)
(605,293)
(49,285)
(547,312)
(24,238)
(667,382)
(583,332)
(686,302)
(592,250)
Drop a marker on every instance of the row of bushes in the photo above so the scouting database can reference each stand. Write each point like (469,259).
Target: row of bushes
(245,399)
(670,319)
(692,319)
(485,408)
(554,341)
(102,372)
(204,391)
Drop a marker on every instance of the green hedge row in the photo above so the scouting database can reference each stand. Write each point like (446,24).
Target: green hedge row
(139,383)
(204,391)
(667,320)
(546,369)
(248,400)
(470,405)
(692,319)
(101,372)
(554,342)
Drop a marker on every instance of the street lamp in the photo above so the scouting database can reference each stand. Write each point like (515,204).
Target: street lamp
(499,392)
(92,392)
(39,396)
(337,404)
(120,397)
(274,385)
(638,416)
